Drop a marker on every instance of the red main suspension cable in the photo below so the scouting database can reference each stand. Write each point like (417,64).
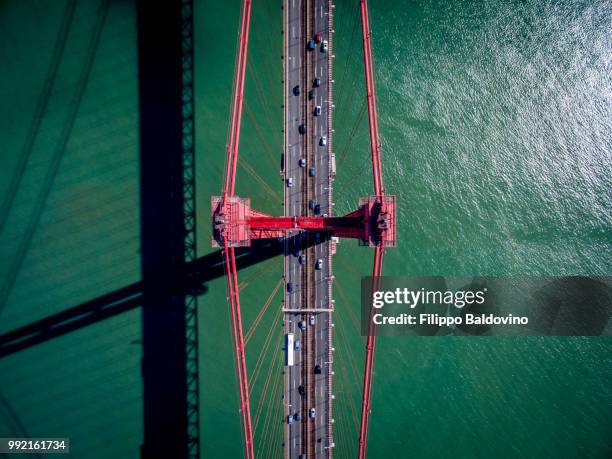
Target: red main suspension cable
(228,252)
(371,98)
(379,252)
(238,97)
(234,307)
(246,407)
(240,90)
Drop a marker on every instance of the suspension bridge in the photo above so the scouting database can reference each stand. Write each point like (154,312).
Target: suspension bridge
(309,230)
(172,275)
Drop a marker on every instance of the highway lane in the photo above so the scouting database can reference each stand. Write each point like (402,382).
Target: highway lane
(322,191)
(293,33)
(299,111)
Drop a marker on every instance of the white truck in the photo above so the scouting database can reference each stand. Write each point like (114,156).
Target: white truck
(289,359)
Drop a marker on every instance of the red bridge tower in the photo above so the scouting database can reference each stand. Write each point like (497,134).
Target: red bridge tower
(235,224)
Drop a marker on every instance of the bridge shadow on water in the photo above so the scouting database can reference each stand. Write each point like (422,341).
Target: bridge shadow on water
(197,274)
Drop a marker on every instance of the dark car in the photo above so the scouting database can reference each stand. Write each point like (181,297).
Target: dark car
(317,82)
(311,204)
(297,416)
(311,45)
(317,369)
(289,287)
(302,129)
(318,37)
(317,209)
(310,94)
(296,90)
(311,171)
(301,390)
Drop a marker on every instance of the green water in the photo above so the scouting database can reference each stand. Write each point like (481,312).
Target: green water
(495,120)
(85,385)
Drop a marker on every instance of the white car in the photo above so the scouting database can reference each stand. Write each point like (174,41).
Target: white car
(319,264)
(290,182)
(311,320)
(302,162)
(312,413)
(323,141)
(324,46)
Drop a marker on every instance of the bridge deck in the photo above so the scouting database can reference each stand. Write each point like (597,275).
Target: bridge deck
(311,284)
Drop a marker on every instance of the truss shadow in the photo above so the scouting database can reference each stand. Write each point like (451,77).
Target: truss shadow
(198,273)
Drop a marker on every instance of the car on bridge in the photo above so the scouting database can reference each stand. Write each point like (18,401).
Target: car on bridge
(296,345)
(302,162)
(301,259)
(296,417)
(311,94)
(311,171)
(296,90)
(317,209)
(311,204)
(318,37)
(319,264)
(290,182)
(311,45)
(312,413)
(289,287)
(311,320)
(301,390)
(317,110)
(317,369)
(324,46)
(302,129)
(323,141)
(302,325)
(316,82)
(289,419)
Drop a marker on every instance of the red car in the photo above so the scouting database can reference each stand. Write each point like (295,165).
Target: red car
(318,37)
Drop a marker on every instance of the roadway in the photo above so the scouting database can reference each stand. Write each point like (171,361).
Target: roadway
(311,287)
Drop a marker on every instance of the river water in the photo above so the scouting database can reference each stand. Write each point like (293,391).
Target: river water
(495,120)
